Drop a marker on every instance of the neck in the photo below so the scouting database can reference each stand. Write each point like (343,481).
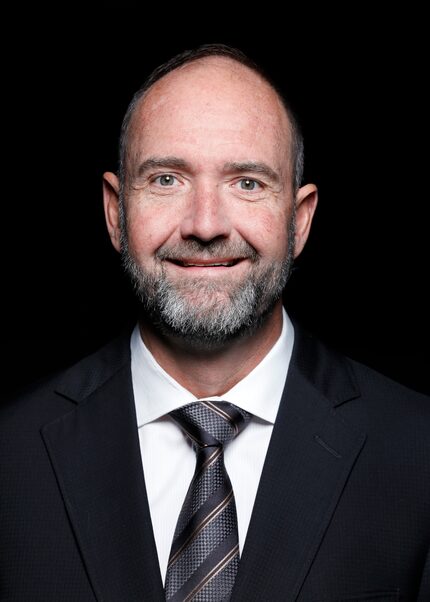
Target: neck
(212,373)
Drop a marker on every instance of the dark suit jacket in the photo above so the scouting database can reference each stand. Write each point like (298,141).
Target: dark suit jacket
(342,511)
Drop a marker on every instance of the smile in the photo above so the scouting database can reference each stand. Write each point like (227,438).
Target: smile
(206,263)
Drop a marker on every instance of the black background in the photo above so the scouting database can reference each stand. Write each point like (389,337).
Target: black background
(358,84)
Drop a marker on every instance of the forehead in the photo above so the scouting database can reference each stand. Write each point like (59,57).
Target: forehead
(215,107)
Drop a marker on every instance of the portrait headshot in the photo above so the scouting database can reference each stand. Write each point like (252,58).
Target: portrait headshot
(217,386)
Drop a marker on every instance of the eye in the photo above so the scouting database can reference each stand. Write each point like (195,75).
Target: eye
(165,180)
(248,184)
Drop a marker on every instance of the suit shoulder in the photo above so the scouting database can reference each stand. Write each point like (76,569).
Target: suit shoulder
(388,410)
(372,382)
(355,387)
(55,395)
(29,403)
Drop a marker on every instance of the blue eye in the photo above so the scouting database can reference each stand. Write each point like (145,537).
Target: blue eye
(248,184)
(165,180)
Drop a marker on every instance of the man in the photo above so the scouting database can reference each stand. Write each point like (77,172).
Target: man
(219,430)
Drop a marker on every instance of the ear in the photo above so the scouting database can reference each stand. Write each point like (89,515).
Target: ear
(306,203)
(111,207)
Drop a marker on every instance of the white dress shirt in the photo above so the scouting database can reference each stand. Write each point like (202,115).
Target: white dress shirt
(167,456)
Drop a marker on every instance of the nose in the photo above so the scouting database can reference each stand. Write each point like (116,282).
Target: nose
(206,217)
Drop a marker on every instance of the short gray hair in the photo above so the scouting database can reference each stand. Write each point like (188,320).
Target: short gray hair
(189,56)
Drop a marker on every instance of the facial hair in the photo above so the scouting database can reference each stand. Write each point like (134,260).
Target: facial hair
(207,313)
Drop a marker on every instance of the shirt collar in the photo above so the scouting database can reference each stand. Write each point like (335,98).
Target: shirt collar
(156,393)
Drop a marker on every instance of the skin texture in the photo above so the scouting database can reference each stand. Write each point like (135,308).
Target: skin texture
(210,114)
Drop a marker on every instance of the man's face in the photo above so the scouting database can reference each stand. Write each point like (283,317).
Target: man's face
(209,238)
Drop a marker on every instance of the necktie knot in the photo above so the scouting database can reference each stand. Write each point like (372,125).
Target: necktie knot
(211,423)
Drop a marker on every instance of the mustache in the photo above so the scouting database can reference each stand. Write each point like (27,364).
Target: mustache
(207,250)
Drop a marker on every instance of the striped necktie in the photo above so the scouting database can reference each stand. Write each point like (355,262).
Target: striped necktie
(204,557)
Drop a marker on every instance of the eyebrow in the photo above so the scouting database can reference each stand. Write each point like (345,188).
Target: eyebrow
(255,167)
(165,162)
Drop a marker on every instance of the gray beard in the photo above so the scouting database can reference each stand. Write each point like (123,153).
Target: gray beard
(204,313)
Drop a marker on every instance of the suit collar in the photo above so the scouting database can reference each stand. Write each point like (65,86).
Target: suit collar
(329,372)
(83,379)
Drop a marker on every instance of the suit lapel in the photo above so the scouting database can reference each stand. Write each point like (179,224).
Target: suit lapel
(311,454)
(95,454)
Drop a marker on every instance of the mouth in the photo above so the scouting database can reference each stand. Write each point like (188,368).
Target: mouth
(222,262)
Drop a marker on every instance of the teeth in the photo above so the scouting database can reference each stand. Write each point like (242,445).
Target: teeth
(207,265)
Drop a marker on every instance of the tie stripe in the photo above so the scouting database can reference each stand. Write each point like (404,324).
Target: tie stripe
(197,587)
(201,519)
(216,570)
(205,554)
(223,413)
(204,485)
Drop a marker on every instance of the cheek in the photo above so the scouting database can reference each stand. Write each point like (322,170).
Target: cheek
(267,232)
(148,229)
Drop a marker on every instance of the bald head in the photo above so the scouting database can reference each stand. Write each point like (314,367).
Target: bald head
(212,106)
(210,81)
